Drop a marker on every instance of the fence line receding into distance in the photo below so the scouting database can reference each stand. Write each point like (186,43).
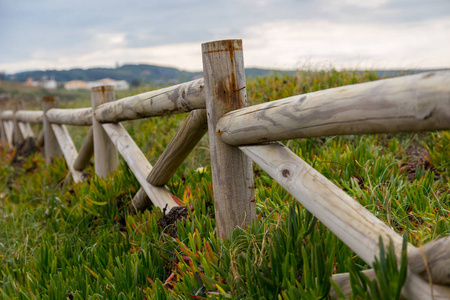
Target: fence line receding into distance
(240,134)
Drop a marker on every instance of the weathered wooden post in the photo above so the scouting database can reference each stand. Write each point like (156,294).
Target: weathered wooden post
(106,156)
(225,90)
(51,145)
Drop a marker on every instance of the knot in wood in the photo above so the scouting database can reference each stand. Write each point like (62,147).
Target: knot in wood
(286,173)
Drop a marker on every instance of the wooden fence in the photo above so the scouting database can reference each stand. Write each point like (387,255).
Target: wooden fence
(240,134)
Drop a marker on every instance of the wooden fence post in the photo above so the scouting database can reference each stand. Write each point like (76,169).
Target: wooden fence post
(51,145)
(106,156)
(225,90)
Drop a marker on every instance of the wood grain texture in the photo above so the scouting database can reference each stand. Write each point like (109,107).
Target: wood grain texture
(105,154)
(86,152)
(74,116)
(232,173)
(346,218)
(405,104)
(432,261)
(68,149)
(187,137)
(171,100)
(51,145)
(30,116)
(139,165)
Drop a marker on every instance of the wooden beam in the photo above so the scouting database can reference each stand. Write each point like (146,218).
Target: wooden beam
(41,138)
(431,262)
(68,149)
(175,99)
(187,137)
(29,116)
(29,130)
(343,281)
(7,115)
(105,154)
(405,104)
(74,116)
(18,136)
(139,165)
(51,143)
(233,184)
(346,218)
(9,131)
(25,129)
(86,152)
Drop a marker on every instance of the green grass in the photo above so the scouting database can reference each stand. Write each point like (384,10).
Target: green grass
(79,241)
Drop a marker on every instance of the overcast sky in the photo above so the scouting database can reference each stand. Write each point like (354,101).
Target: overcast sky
(284,34)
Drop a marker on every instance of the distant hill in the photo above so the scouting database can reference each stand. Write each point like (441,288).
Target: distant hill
(142,73)
(132,73)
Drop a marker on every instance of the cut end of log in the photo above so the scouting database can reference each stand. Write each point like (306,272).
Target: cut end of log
(222,45)
(103,88)
(47,99)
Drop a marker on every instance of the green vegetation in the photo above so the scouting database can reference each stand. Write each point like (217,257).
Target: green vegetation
(79,241)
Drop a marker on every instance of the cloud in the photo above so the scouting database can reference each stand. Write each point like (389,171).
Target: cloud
(288,44)
(184,56)
(366,4)
(276,33)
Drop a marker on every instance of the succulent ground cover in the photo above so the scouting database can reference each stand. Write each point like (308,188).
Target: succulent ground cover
(65,241)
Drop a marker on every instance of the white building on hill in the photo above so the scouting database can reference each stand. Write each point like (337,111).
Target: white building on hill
(118,84)
(76,85)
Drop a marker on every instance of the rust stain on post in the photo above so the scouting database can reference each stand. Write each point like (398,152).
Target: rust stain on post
(232,171)
(48,99)
(228,90)
(229,45)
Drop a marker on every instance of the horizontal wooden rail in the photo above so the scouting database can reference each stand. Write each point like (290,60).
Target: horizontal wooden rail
(412,103)
(73,116)
(7,115)
(30,116)
(346,218)
(171,100)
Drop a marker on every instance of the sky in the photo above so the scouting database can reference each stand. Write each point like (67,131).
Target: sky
(276,34)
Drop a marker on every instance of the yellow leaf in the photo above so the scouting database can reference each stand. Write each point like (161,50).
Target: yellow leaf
(91,272)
